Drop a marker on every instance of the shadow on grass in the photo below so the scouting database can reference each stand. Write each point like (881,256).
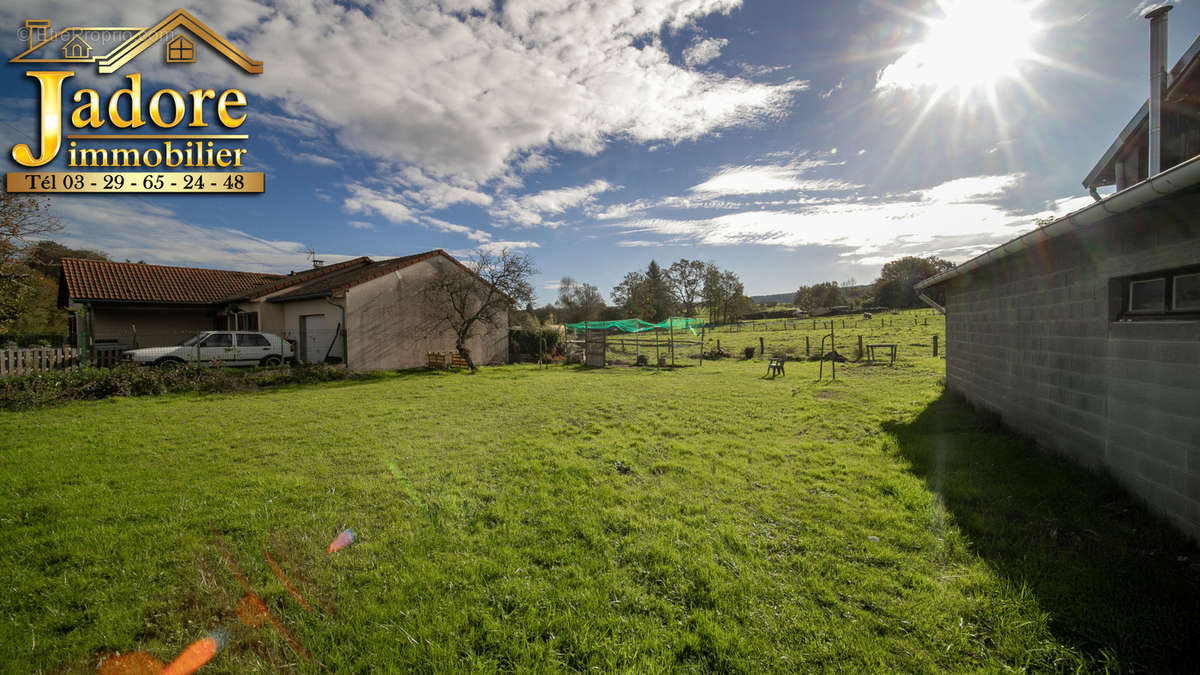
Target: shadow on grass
(1117,581)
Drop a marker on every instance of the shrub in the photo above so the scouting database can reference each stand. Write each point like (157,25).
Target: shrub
(545,340)
(45,388)
(748,352)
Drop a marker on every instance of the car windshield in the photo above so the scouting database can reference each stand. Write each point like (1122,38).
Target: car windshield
(190,341)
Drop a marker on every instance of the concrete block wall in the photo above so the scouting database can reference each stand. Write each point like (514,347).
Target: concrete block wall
(1035,338)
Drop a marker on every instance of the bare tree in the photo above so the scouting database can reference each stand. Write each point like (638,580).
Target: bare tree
(23,218)
(580,301)
(465,301)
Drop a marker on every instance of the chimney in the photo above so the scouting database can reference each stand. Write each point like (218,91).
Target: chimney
(37,30)
(1158,83)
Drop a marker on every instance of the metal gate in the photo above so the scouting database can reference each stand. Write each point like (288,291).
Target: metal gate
(595,344)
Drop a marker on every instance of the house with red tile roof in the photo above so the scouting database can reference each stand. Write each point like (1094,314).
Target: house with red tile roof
(366,313)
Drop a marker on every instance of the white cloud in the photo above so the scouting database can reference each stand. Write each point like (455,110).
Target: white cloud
(360,225)
(129,229)
(498,246)
(956,219)
(386,203)
(438,194)
(493,247)
(746,180)
(420,82)
(825,95)
(529,210)
(320,160)
(471,92)
(470,233)
(703,50)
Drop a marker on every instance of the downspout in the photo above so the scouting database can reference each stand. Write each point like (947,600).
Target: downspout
(87,331)
(345,348)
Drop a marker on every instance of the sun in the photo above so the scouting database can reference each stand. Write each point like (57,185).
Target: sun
(970,45)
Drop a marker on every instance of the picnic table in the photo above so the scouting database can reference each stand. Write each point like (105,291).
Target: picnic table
(775,366)
(889,346)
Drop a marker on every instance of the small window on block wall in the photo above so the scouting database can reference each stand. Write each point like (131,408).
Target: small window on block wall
(1171,294)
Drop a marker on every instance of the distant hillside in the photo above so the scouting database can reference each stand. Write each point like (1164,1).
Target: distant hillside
(770,299)
(851,293)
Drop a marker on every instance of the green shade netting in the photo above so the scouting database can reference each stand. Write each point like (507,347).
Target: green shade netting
(637,325)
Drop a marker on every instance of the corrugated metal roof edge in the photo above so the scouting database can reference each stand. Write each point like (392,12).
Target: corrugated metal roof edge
(1175,179)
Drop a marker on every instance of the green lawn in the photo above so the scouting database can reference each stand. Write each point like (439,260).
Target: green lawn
(557,518)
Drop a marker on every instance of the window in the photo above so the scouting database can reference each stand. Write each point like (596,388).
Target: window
(1186,293)
(218,340)
(1147,295)
(1169,294)
(181,50)
(246,321)
(253,340)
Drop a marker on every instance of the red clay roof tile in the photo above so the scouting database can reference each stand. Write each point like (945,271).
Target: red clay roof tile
(102,280)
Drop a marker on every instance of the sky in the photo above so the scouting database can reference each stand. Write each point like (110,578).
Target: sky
(792,142)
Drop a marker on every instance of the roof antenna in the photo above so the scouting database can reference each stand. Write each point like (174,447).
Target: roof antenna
(316,262)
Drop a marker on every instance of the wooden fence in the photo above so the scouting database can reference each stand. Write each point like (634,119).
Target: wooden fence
(34,360)
(443,360)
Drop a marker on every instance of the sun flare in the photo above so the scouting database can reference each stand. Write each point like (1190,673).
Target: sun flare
(973,44)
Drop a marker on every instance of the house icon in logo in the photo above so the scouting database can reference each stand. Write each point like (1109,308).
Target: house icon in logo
(178,31)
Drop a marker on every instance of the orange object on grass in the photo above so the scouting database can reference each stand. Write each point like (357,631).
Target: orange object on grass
(197,654)
(252,611)
(130,663)
(341,541)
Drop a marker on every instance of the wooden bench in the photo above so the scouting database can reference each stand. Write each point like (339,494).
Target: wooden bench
(890,346)
(775,366)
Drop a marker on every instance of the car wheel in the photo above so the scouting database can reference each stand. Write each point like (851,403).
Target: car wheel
(169,362)
(272,360)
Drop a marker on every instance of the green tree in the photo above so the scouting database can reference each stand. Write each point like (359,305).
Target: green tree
(659,293)
(23,219)
(724,295)
(685,279)
(894,287)
(632,296)
(46,256)
(819,296)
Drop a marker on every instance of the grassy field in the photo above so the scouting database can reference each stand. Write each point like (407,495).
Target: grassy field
(557,518)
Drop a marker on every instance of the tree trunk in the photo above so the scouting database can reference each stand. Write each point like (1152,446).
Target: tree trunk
(461,346)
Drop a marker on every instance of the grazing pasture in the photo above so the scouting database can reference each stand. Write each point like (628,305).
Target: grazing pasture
(559,518)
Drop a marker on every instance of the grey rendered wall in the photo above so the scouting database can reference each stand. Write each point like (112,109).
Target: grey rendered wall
(1032,337)
(389,324)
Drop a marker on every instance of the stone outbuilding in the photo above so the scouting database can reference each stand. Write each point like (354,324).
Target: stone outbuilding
(1085,332)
